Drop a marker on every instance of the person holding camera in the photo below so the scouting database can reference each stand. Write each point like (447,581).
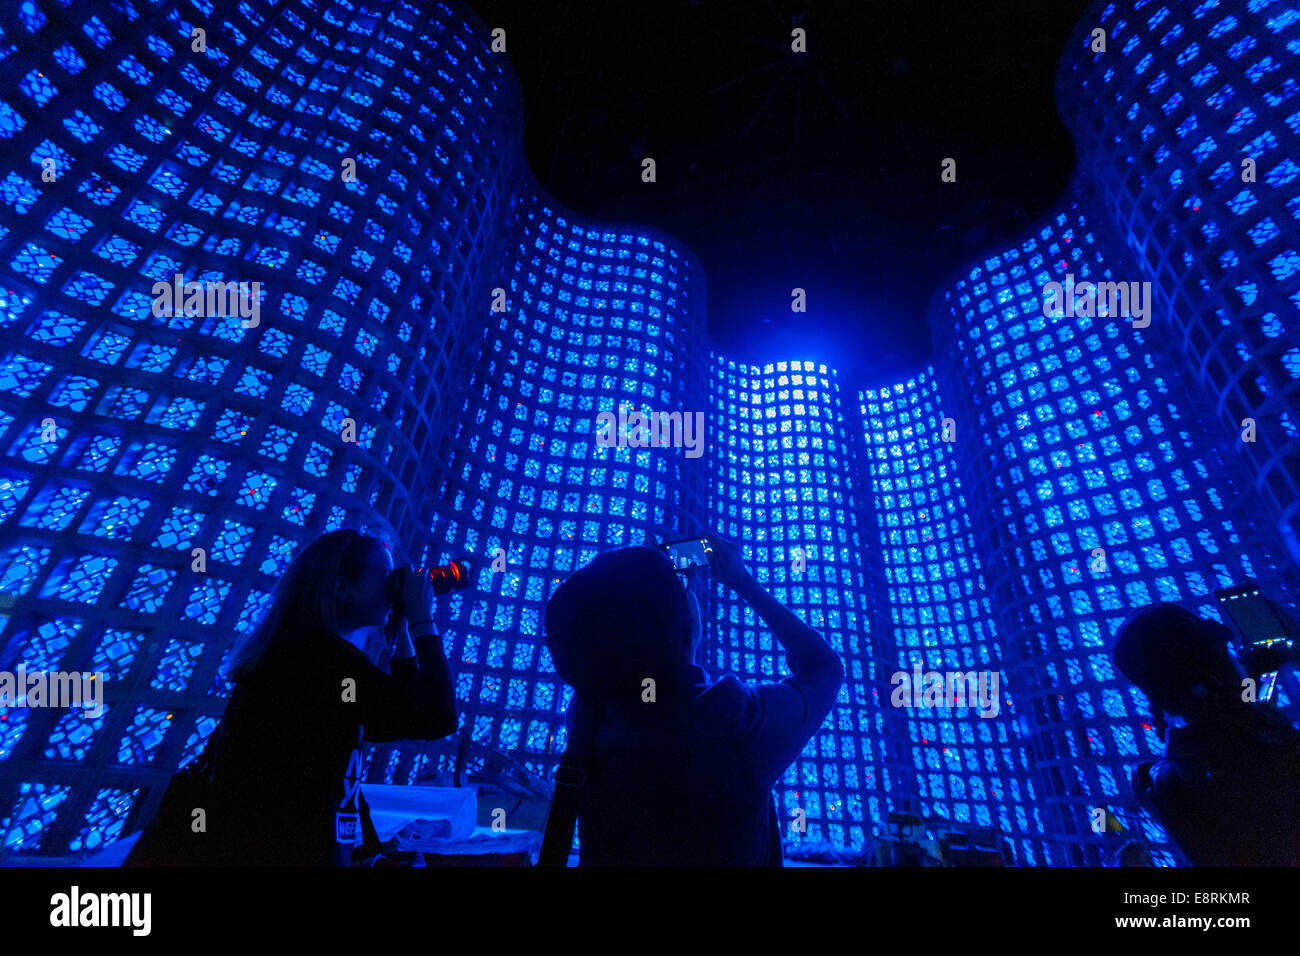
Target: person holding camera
(676,769)
(285,764)
(1228,789)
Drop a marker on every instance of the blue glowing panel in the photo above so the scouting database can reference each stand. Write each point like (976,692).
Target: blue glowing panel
(970,763)
(470,332)
(590,320)
(1188,124)
(783,487)
(1097,497)
(129,438)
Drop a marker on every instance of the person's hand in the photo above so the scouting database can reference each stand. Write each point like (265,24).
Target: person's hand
(725,561)
(415,596)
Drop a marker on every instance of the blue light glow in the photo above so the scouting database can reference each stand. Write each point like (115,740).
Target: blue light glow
(472,331)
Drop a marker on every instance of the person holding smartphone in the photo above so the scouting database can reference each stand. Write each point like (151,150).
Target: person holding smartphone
(1228,788)
(678,769)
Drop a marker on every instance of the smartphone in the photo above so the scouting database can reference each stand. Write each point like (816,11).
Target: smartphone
(1254,617)
(687,553)
(1264,633)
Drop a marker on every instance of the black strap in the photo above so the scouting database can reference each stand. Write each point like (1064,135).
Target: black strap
(369,845)
(570,776)
(207,761)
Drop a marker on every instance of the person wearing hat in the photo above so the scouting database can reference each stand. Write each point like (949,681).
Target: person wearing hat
(1228,789)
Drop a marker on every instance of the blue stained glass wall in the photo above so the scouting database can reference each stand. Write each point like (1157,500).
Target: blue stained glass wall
(1101,495)
(129,439)
(591,319)
(1189,125)
(785,481)
(1093,434)
(969,762)
(470,331)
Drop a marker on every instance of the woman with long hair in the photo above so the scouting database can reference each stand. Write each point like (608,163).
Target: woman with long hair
(286,764)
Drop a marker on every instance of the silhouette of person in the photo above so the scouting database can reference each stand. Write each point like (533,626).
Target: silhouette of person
(286,768)
(679,769)
(1228,790)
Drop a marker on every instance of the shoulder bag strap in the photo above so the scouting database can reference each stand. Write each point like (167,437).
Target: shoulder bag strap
(570,777)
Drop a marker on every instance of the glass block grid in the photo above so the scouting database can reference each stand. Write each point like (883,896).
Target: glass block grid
(588,319)
(785,484)
(439,309)
(1189,123)
(132,153)
(1099,495)
(970,767)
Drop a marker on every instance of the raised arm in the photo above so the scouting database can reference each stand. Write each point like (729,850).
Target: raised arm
(790,712)
(418,701)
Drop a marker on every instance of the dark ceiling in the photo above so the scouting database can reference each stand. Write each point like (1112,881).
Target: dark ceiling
(820,170)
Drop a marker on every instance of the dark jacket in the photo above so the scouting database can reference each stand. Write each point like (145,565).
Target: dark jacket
(1228,790)
(691,785)
(289,734)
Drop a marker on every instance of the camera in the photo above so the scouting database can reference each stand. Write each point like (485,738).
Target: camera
(453,576)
